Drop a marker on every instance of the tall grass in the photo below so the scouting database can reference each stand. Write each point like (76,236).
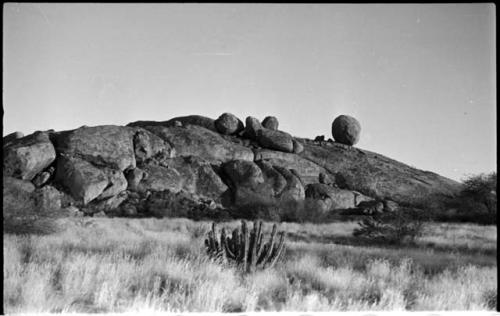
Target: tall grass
(122,265)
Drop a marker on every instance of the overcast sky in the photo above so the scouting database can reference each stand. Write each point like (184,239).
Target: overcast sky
(420,78)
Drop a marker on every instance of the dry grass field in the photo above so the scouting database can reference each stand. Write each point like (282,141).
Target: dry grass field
(133,265)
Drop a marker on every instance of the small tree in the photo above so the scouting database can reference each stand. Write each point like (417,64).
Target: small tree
(476,202)
(482,188)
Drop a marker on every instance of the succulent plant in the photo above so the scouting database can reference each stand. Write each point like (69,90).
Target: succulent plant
(245,248)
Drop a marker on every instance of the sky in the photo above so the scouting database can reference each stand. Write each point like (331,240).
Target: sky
(420,78)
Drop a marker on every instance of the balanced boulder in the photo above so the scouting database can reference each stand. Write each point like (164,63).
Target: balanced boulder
(346,130)
(270,122)
(28,156)
(228,124)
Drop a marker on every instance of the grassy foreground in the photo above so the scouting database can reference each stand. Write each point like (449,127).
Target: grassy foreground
(133,265)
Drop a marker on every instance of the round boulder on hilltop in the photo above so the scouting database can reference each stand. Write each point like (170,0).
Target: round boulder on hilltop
(346,130)
(270,122)
(228,124)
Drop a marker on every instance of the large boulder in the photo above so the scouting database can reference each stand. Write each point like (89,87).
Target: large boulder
(160,178)
(107,145)
(275,140)
(228,124)
(270,122)
(26,157)
(84,181)
(252,126)
(241,172)
(346,130)
(247,183)
(194,140)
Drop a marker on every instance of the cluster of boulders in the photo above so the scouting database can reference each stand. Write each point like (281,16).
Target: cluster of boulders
(265,133)
(201,163)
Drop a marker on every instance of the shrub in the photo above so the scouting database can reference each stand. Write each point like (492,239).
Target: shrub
(403,226)
(476,202)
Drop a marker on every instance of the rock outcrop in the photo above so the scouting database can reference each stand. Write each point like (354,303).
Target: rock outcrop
(152,168)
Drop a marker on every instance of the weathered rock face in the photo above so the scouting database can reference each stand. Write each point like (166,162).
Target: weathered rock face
(270,122)
(109,145)
(377,176)
(308,171)
(84,181)
(26,157)
(346,130)
(228,124)
(160,178)
(197,141)
(276,140)
(198,177)
(148,145)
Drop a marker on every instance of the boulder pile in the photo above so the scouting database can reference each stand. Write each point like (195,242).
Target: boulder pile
(204,164)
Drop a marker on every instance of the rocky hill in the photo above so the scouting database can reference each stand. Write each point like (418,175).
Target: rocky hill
(206,165)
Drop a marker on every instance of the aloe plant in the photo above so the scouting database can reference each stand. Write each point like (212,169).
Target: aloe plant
(246,248)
